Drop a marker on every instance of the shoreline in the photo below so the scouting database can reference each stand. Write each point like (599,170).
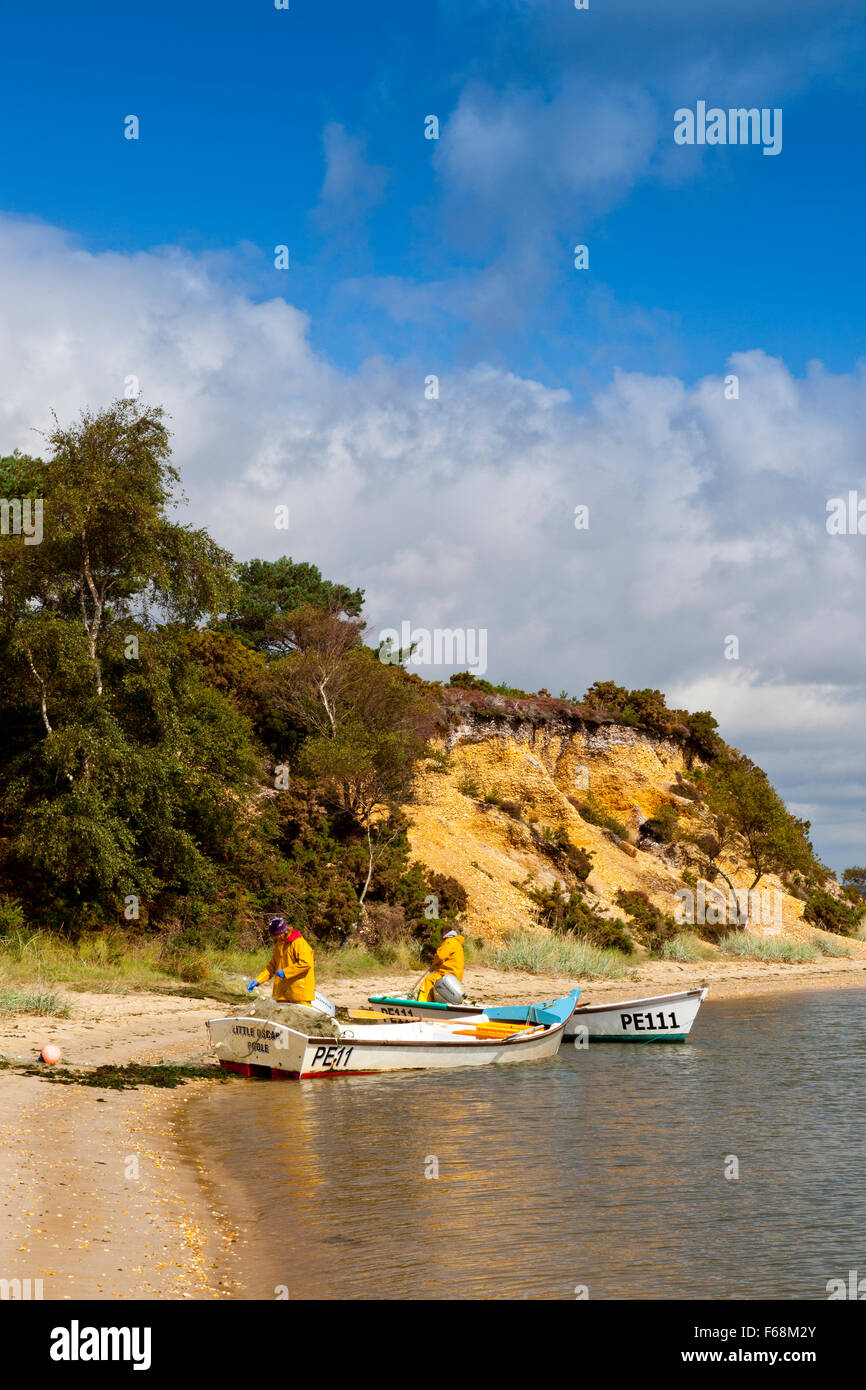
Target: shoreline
(728,979)
(99,1201)
(103,1198)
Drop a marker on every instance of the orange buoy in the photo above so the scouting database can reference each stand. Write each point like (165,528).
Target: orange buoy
(50,1053)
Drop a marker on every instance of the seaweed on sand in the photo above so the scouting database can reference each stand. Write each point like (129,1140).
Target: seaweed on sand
(121,1078)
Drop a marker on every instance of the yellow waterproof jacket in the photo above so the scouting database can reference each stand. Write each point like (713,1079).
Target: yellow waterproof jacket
(295,957)
(448,960)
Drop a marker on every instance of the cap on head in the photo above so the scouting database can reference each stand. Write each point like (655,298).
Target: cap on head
(277,927)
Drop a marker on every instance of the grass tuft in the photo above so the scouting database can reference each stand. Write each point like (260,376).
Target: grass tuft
(830,946)
(558,955)
(684,947)
(751,946)
(33,1003)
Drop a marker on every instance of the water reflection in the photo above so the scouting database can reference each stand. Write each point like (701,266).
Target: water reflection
(602,1167)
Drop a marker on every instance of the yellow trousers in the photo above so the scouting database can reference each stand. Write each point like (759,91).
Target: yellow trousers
(425,993)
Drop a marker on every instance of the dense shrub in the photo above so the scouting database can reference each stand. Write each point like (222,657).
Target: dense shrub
(451,895)
(558,847)
(11,916)
(656,928)
(594,814)
(662,827)
(569,912)
(647,709)
(833,914)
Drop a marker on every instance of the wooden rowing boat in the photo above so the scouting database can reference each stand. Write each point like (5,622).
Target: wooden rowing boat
(266,1048)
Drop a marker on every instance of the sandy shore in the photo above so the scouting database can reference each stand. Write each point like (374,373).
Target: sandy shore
(100,1201)
(96,1200)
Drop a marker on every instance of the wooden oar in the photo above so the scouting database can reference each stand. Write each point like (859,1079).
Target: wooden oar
(371,1013)
(494,1030)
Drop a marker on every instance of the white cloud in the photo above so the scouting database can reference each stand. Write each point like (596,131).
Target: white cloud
(706,515)
(507,158)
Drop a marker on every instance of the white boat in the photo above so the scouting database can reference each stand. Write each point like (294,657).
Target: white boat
(264,1047)
(659,1018)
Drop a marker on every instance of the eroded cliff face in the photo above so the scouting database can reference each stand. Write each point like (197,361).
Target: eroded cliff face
(544,767)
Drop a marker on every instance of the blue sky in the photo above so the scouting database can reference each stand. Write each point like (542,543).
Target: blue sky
(693,254)
(409,257)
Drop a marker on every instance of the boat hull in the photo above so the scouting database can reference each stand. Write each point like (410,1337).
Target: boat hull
(260,1047)
(657,1018)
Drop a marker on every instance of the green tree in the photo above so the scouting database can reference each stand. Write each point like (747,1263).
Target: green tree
(854,881)
(121,769)
(364,755)
(270,593)
(109,549)
(743,810)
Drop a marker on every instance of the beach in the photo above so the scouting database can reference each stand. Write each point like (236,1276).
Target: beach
(101,1198)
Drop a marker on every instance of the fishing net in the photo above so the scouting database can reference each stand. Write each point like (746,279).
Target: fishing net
(292,1016)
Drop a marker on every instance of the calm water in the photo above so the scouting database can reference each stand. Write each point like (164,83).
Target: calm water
(602,1168)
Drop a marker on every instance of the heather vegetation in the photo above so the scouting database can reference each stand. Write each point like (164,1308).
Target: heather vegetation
(646,710)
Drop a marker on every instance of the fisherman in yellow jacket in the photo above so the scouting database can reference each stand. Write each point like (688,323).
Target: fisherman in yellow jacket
(291,966)
(448,960)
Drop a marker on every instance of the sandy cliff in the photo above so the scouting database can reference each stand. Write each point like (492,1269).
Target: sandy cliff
(544,766)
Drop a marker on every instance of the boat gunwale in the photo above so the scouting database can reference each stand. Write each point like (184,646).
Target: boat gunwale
(379,1000)
(651,999)
(354,1041)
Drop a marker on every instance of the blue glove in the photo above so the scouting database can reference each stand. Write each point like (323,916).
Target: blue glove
(253,984)
(282,974)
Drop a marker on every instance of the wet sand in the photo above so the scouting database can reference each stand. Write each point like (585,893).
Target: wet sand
(97,1202)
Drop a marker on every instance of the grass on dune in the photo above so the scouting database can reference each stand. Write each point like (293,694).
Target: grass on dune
(32,962)
(105,961)
(751,946)
(559,955)
(829,946)
(40,1002)
(685,947)
(356,960)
